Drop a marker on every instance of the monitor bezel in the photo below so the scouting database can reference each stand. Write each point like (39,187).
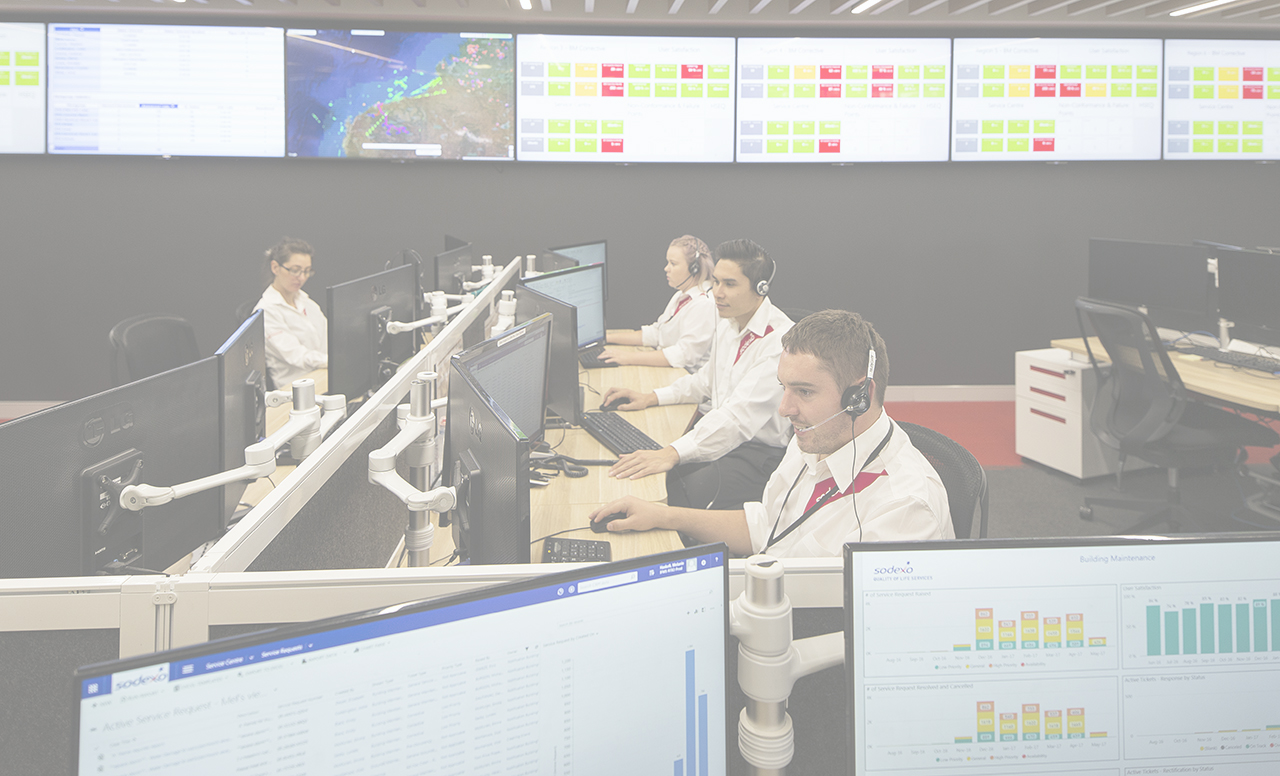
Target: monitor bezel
(400,344)
(584,244)
(532,282)
(1248,328)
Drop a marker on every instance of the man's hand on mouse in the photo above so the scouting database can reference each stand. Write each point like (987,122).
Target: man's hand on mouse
(641,515)
(630,400)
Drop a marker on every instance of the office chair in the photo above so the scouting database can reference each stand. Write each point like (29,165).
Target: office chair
(961,474)
(1141,409)
(149,344)
(796,314)
(244,310)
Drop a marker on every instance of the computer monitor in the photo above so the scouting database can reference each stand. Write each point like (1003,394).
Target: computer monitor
(564,397)
(452,268)
(62,469)
(588,253)
(242,377)
(608,668)
(1248,283)
(550,261)
(1084,655)
(426,279)
(582,287)
(451,242)
(1171,281)
(362,355)
(511,368)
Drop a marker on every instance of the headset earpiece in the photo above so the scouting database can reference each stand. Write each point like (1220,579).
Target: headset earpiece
(695,266)
(856,399)
(762,288)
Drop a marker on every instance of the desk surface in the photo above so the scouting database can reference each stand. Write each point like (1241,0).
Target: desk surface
(1243,387)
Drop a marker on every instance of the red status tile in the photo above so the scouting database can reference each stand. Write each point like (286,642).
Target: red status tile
(1043,144)
(828,146)
(691,71)
(612,71)
(1068,90)
(1252,74)
(611,146)
(611,89)
(830,71)
(829,90)
(882,72)
(1046,71)
(1252,92)
(1046,89)
(881,90)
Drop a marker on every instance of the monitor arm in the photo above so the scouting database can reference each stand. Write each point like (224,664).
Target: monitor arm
(440,313)
(417,435)
(487,274)
(770,662)
(303,432)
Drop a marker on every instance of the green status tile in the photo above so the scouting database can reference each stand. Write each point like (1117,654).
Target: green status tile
(1231,146)
(1122,71)
(559,144)
(779,90)
(611,127)
(639,71)
(4,59)
(908,90)
(778,127)
(667,71)
(802,146)
(1273,92)
(936,72)
(780,72)
(1147,90)
(585,145)
(718,90)
(1019,144)
(992,144)
(856,72)
(1069,72)
(1228,127)
(1253,128)
(1094,72)
(992,127)
(690,90)
(1202,127)
(4,77)
(559,69)
(1202,93)
(805,90)
(558,88)
(639,90)
(908,72)
(665,90)
(828,127)
(993,71)
(26,78)
(1019,127)
(1201,146)
(802,127)
(1202,74)
(719,72)
(1148,72)
(1045,126)
(1252,147)
(585,126)
(993,90)
(27,58)
(777,146)
(935,90)
(860,90)
(1273,73)
(559,126)
(1121,90)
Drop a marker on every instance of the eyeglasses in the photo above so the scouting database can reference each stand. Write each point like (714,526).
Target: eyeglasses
(299,272)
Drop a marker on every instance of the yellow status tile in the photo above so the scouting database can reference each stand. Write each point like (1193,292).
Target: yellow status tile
(1019,90)
(1019,71)
(1228,74)
(586,70)
(1228,92)
(1095,90)
(585,89)
(805,72)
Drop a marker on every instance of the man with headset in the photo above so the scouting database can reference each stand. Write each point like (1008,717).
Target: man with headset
(738,438)
(850,473)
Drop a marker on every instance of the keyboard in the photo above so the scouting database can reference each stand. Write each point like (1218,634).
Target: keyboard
(1246,360)
(616,433)
(557,550)
(590,358)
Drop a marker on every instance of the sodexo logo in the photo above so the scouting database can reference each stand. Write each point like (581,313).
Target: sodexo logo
(141,678)
(902,570)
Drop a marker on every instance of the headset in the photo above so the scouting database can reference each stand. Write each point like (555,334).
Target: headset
(762,287)
(856,399)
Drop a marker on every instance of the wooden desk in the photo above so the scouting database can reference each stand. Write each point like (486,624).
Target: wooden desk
(1240,387)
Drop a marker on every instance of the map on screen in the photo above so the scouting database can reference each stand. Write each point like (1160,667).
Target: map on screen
(376,94)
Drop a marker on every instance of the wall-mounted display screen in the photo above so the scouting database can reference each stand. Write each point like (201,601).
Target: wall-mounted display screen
(596,98)
(1056,99)
(843,99)
(1222,99)
(153,89)
(22,74)
(380,94)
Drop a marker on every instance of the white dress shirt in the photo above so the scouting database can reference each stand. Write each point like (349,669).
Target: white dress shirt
(684,330)
(898,496)
(297,337)
(737,389)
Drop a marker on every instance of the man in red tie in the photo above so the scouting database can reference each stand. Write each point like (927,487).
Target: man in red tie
(849,474)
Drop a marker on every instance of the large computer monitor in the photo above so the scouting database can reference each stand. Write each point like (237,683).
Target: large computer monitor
(614,668)
(588,253)
(512,369)
(1083,656)
(582,287)
(426,279)
(550,261)
(362,355)
(1248,284)
(564,397)
(452,268)
(242,377)
(62,469)
(1171,281)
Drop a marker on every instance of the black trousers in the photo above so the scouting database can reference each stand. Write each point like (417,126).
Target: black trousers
(726,483)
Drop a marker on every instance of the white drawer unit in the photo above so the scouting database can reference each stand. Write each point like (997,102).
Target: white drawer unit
(1054,392)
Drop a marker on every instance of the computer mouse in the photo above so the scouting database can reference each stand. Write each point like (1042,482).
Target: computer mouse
(613,405)
(600,526)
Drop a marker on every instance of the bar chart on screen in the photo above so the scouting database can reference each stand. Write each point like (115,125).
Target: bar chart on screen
(1222,99)
(1201,624)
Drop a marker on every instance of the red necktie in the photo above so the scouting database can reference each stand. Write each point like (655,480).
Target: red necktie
(680,306)
(749,338)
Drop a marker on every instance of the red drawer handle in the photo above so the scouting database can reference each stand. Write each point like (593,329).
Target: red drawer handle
(1050,394)
(1035,411)
(1044,371)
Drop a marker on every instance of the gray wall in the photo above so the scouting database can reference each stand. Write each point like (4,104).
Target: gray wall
(958,265)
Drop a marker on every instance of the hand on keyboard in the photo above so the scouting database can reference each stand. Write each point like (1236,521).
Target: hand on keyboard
(642,463)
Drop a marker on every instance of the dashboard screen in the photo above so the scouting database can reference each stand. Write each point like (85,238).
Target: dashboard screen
(22,82)
(1222,99)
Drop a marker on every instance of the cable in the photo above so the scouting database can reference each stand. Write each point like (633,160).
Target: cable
(444,560)
(557,533)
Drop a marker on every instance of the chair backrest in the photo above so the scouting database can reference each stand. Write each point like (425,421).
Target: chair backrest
(961,474)
(149,344)
(1139,396)
(244,310)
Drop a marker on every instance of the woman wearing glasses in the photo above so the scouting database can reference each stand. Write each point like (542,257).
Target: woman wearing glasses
(296,329)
